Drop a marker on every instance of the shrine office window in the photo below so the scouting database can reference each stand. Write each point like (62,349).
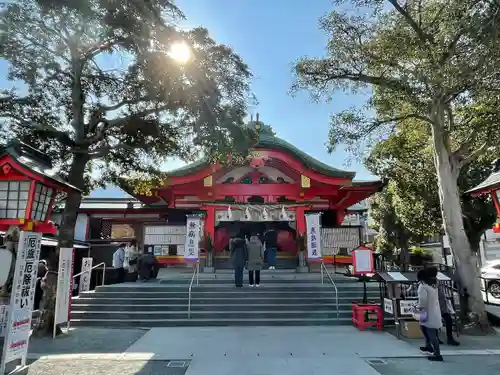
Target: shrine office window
(14,199)
(41,202)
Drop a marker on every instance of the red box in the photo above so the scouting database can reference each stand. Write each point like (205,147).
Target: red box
(358,316)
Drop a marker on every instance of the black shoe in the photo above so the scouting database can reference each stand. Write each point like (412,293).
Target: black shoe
(436,358)
(441,342)
(453,342)
(426,349)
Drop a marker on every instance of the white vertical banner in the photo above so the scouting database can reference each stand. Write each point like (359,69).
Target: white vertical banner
(313,236)
(191,247)
(86,275)
(64,286)
(20,310)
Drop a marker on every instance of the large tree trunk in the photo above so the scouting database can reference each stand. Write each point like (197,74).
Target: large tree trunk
(66,237)
(447,174)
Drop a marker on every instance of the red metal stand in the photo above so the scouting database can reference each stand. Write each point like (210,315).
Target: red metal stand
(358,316)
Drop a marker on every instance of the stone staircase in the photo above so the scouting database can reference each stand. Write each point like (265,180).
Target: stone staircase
(283,299)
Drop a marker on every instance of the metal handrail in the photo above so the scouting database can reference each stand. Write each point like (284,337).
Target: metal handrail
(90,271)
(196,272)
(323,271)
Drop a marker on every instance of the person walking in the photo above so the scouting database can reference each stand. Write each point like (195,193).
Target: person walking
(118,263)
(239,257)
(271,244)
(429,314)
(255,250)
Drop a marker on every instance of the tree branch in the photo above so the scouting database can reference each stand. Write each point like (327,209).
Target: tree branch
(423,36)
(417,116)
(105,150)
(474,155)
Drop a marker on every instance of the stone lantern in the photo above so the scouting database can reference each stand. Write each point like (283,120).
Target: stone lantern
(491,186)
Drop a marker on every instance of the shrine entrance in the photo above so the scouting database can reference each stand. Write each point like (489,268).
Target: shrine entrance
(233,222)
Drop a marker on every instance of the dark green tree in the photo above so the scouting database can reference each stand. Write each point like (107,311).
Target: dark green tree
(117,87)
(433,61)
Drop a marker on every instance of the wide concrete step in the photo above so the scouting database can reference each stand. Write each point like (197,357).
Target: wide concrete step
(227,293)
(226,287)
(252,314)
(218,300)
(104,306)
(225,322)
(268,279)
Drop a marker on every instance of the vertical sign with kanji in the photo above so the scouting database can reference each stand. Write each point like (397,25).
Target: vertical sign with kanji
(64,286)
(191,247)
(313,236)
(21,300)
(85,276)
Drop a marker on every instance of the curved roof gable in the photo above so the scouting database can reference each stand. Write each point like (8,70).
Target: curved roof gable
(268,140)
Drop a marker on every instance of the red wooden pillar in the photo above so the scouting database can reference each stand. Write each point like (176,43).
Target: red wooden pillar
(210,222)
(301,220)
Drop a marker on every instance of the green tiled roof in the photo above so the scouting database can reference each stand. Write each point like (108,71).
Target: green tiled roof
(268,140)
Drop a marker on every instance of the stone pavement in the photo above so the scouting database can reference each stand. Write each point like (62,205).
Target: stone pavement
(454,365)
(252,351)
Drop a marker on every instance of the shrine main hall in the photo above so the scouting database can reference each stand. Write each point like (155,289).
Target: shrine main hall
(276,187)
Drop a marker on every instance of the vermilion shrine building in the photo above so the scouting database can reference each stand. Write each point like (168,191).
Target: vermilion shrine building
(277,186)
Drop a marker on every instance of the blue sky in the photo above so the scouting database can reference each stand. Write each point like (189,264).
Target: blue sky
(270,35)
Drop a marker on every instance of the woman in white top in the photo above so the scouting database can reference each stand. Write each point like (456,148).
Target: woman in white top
(430,314)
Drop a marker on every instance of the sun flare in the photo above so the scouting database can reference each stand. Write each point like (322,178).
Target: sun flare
(180,52)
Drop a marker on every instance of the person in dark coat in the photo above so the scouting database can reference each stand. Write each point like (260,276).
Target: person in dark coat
(271,243)
(239,257)
(42,270)
(147,266)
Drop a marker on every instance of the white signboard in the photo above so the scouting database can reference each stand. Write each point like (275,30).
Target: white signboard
(313,236)
(85,276)
(407,307)
(363,261)
(64,286)
(193,227)
(388,306)
(21,300)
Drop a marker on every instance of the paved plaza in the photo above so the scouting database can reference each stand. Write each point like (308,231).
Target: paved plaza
(252,351)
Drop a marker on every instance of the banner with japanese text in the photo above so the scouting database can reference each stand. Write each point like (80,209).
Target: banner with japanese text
(20,310)
(191,247)
(64,285)
(313,226)
(86,275)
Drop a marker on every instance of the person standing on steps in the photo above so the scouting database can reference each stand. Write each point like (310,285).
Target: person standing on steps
(239,257)
(255,250)
(119,262)
(271,241)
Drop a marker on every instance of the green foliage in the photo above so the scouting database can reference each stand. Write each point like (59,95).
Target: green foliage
(405,159)
(102,84)
(432,61)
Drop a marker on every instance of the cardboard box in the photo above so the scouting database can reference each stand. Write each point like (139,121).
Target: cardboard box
(411,330)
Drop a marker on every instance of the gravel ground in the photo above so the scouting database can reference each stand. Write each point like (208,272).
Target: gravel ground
(102,367)
(87,340)
(453,365)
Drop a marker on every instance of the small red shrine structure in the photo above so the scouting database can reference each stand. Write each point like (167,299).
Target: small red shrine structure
(28,188)
(278,183)
(491,186)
